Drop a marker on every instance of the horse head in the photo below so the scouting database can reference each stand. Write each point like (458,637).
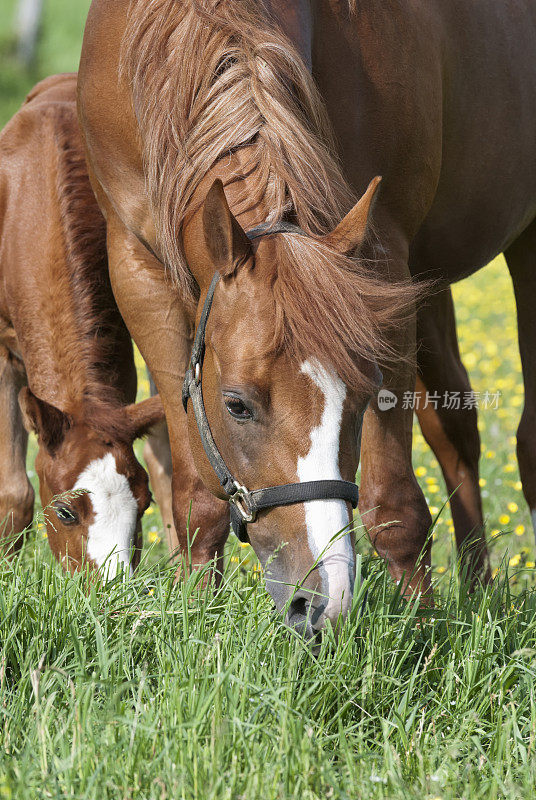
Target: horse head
(93,490)
(289,367)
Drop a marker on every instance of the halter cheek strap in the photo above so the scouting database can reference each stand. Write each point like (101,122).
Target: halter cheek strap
(245,504)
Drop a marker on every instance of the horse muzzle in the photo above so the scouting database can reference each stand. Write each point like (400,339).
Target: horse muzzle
(324,597)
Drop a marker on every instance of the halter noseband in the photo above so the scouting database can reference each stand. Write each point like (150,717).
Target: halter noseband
(245,504)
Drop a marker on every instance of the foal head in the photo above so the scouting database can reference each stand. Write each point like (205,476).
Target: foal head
(289,368)
(93,490)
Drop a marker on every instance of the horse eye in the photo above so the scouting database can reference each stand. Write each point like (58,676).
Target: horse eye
(66,515)
(237,408)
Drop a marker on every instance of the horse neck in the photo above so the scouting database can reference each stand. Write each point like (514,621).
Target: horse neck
(296,21)
(61,359)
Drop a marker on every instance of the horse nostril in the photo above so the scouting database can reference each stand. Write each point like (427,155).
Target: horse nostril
(299,616)
(298,608)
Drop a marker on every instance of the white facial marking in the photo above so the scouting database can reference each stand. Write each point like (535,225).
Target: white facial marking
(115,509)
(325,518)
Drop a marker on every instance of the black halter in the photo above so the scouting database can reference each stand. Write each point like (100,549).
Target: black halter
(246,504)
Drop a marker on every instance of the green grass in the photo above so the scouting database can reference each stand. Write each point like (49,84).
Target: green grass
(151,690)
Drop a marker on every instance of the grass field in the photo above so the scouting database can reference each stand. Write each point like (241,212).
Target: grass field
(150,690)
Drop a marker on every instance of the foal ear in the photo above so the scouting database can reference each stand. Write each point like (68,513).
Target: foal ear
(48,422)
(227,243)
(144,415)
(350,233)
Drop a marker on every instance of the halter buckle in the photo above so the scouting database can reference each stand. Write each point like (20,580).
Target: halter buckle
(241,499)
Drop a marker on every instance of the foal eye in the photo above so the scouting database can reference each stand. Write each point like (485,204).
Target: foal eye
(237,408)
(66,514)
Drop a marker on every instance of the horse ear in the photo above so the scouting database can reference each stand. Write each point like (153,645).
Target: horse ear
(48,422)
(350,233)
(144,415)
(227,243)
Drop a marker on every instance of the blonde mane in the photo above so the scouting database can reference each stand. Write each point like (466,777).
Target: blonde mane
(211,76)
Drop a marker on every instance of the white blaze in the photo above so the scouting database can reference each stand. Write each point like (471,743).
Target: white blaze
(111,533)
(325,518)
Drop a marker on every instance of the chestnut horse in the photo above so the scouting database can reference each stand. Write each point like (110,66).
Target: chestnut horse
(62,334)
(174,94)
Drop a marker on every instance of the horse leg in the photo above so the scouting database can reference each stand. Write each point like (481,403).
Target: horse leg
(16,492)
(452,433)
(521,260)
(157,455)
(391,503)
(160,326)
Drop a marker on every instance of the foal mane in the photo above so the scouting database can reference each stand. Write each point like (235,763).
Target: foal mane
(211,76)
(84,321)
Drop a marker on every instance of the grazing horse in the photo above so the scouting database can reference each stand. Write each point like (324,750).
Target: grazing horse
(61,334)
(176,95)
(284,395)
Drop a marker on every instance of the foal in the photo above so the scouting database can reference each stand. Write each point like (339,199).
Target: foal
(61,333)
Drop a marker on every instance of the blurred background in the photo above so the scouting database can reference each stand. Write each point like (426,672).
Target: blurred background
(49,42)
(59,34)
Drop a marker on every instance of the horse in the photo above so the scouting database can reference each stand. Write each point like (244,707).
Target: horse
(293,107)
(67,367)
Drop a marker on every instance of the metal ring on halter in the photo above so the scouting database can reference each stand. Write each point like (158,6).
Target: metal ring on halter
(242,500)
